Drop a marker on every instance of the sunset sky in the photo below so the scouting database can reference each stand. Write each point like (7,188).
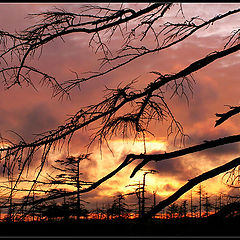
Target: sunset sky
(27,111)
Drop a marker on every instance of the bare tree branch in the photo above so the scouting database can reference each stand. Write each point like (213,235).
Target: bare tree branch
(143,105)
(196,148)
(106,111)
(224,116)
(146,159)
(190,184)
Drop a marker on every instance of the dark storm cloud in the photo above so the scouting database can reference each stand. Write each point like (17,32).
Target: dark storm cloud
(38,120)
(177,168)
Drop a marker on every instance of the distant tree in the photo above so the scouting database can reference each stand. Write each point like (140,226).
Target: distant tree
(172,210)
(194,211)
(52,211)
(125,110)
(100,213)
(24,212)
(69,174)
(119,208)
(200,193)
(207,205)
(193,207)
(140,193)
(183,209)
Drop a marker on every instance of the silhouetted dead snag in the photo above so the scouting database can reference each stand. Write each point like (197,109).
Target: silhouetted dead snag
(144,105)
(69,174)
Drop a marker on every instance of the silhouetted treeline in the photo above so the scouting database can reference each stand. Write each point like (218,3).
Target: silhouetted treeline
(201,206)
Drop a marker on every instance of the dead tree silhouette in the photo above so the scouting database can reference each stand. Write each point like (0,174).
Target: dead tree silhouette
(119,208)
(140,192)
(143,191)
(69,174)
(145,105)
(200,193)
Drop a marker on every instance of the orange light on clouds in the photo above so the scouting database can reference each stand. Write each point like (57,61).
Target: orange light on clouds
(110,160)
(210,93)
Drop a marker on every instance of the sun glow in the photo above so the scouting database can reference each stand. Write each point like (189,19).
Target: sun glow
(119,150)
(111,160)
(162,185)
(138,146)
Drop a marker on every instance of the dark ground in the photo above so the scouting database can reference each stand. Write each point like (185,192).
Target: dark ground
(175,227)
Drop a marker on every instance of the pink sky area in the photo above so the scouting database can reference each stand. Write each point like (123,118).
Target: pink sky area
(27,111)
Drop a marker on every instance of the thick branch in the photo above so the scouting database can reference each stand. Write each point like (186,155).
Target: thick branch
(149,51)
(126,162)
(157,157)
(72,126)
(197,148)
(224,116)
(196,66)
(190,184)
(59,25)
(151,87)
